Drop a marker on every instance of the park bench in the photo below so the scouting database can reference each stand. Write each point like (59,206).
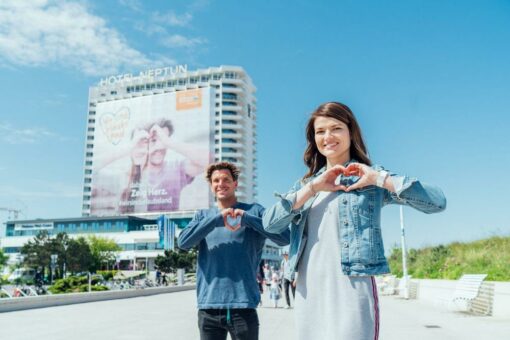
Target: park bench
(472,295)
(386,284)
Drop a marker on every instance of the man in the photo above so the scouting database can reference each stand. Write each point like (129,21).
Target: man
(288,278)
(230,238)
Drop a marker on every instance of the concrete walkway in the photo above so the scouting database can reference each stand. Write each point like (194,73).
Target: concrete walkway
(173,316)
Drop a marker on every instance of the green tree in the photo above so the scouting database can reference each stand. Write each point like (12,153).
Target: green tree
(3,259)
(173,260)
(79,256)
(3,262)
(58,247)
(37,252)
(104,251)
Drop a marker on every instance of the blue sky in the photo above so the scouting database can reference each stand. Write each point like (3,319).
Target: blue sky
(428,81)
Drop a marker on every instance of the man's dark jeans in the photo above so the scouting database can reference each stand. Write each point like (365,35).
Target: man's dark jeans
(243,324)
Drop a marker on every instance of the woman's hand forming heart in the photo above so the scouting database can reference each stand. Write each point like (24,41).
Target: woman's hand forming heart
(326,181)
(367,175)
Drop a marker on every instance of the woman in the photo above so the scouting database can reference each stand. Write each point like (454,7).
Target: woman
(334,214)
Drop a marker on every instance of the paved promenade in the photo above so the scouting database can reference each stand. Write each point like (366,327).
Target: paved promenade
(173,316)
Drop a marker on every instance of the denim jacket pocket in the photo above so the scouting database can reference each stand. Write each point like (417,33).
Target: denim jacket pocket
(365,203)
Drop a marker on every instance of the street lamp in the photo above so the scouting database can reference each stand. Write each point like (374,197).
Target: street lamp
(54,258)
(405,277)
(65,260)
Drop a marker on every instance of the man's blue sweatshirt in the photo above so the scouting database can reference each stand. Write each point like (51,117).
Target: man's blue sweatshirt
(228,260)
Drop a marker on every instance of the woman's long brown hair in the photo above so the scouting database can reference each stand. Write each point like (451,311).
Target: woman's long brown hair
(314,160)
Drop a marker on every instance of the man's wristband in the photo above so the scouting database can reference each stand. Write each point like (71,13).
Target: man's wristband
(381,177)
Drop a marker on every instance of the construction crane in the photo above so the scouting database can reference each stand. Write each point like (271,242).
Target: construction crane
(12,212)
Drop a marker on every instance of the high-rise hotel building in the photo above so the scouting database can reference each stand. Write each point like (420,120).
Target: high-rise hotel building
(230,103)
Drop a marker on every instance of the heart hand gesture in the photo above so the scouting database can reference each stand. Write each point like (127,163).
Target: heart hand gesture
(367,175)
(326,181)
(232,218)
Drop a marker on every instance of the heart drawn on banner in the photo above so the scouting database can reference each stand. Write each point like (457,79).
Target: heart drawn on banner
(232,223)
(114,125)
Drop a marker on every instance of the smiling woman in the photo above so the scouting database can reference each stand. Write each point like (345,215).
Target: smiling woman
(336,244)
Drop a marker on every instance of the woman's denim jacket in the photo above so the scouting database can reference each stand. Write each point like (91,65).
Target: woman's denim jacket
(360,238)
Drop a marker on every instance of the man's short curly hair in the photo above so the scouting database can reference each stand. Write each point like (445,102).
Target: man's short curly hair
(234,171)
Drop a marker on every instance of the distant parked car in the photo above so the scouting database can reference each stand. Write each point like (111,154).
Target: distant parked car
(24,274)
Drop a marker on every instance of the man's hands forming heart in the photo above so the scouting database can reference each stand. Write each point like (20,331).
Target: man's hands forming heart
(327,180)
(232,218)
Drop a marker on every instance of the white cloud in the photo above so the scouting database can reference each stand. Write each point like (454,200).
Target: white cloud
(12,135)
(178,40)
(173,19)
(134,5)
(58,32)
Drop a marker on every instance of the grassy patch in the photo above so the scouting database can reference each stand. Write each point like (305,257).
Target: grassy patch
(490,256)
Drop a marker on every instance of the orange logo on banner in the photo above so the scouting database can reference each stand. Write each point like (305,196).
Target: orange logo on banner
(186,100)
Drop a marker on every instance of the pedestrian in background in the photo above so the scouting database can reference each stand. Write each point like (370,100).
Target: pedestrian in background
(288,279)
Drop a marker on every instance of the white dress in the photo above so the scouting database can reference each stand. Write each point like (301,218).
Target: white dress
(330,304)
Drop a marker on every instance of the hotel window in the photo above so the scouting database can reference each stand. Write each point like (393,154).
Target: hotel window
(230,96)
(89,154)
(88,172)
(182,81)
(92,120)
(88,180)
(228,140)
(88,163)
(91,129)
(86,189)
(204,78)
(230,75)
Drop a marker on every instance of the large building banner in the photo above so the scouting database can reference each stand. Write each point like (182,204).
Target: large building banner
(150,153)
